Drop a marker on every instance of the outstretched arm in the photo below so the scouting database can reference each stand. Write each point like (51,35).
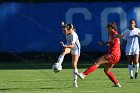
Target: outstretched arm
(136,35)
(67,46)
(101,43)
(118,35)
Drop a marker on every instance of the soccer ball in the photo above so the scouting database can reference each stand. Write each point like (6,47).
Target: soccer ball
(57,67)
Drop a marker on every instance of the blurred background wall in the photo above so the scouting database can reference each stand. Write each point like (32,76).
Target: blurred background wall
(31,28)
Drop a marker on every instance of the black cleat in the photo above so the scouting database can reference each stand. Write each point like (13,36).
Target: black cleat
(136,75)
(131,77)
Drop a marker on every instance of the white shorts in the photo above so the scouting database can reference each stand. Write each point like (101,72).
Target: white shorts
(132,51)
(75,51)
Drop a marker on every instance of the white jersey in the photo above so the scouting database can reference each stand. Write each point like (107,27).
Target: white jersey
(73,38)
(132,46)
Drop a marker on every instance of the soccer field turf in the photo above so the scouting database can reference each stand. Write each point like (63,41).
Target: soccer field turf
(46,81)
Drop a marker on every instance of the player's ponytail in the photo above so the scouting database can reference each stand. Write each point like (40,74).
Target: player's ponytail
(72,27)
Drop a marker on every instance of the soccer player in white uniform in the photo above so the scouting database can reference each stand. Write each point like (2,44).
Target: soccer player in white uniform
(130,36)
(72,46)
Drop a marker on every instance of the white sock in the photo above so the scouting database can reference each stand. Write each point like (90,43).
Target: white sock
(130,67)
(60,59)
(75,76)
(137,67)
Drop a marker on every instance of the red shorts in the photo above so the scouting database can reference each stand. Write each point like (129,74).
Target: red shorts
(113,59)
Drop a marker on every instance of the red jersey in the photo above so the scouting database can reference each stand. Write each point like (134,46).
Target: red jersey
(114,47)
(114,52)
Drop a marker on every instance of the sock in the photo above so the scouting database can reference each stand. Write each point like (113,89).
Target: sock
(90,69)
(130,67)
(112,77)
(60,59)
(75,76)
(137,67)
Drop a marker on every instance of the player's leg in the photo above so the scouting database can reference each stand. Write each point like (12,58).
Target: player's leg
(75,69)
(63,53)
(98,62)
(136,62)
(110,75)
(130,65)
(92,68)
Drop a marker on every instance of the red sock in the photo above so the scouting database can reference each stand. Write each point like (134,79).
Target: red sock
(90,69)
(112,77)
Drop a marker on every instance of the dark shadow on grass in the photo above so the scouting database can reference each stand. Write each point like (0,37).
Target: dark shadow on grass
(38,80)
(47,65)
(6,89)
(43,60)
(50,88)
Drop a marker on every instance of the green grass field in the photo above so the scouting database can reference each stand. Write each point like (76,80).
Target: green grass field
(45,81)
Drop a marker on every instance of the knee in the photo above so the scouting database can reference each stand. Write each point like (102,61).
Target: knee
(136,62)
(130,63)
(63,52)
(97,63)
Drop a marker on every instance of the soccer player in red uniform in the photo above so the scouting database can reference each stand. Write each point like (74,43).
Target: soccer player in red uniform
(108,60)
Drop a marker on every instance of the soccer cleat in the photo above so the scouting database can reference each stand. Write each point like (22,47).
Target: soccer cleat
(131,77)
(75,83)
(80,75)
(136,75)
(117,85)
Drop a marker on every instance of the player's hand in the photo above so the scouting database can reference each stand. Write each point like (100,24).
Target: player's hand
(100,43)
(63,45)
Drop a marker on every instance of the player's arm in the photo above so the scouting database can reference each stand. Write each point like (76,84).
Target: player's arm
(118,35)
(105,43)
(136,35)
(67,46)
(72,44)
(122,35)
(108,42)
